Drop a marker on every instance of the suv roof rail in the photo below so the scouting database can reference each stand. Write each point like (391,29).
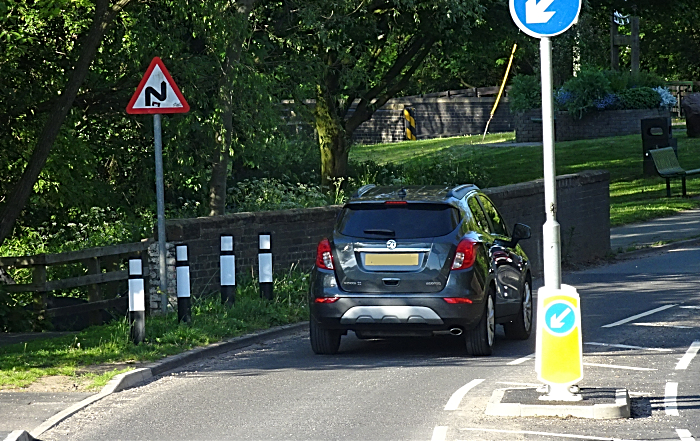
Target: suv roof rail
(459,191)
(362,190)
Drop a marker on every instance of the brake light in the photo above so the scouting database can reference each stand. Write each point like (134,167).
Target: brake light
(395,203)
(324,257)
(457,300)
(326,299)
(465,254)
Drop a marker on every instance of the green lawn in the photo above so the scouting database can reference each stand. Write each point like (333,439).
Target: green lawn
(633,198)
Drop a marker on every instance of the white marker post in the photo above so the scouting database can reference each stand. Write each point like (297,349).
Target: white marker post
(227,268)
(137,302)
(558,357)
(182,269)
(265,266)
(157,93)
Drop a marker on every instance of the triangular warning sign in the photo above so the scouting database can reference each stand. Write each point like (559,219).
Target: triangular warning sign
(157,93)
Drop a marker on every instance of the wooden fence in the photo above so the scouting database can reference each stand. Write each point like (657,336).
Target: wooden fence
(105,267)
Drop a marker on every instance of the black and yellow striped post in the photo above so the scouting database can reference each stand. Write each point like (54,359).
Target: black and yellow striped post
(410,123)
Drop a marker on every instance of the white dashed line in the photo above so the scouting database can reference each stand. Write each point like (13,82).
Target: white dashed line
(685,435)
(635,317)
(522,360)
(614,366)
(560,435)
(689,355)
(670,398)
(439,433)
(663,325)
(456,397)
(690,307)
(593,343)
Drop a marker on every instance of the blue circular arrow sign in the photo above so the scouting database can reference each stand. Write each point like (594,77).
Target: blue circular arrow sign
(544,18)
(560,318)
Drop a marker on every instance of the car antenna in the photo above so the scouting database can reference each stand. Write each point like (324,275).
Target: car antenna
(402,193)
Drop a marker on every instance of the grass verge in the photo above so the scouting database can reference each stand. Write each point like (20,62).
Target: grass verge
(633,197)
(21,364)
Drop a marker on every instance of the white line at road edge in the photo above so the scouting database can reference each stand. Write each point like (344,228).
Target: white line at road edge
(614,366)
(670,398)
(456,397)
(685,435)
(689,355)
(521,360)
(530,432)
(635,317)
(593,343)
(439,433)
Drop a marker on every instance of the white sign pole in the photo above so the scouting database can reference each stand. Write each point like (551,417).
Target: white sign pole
(160,207)
(550,229)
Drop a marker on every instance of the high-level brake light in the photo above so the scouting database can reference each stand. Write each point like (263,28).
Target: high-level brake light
(324,257)
(395,203)
(465,254)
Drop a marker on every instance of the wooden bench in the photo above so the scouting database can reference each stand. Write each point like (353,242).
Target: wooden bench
(667,166)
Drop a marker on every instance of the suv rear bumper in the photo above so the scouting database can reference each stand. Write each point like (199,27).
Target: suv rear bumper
(395,312)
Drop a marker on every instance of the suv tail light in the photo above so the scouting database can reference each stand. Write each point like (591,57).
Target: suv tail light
(465,254)
(324,257)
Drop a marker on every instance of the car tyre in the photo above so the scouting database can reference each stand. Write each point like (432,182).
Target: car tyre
(521,327)
(323,341)
(480,339)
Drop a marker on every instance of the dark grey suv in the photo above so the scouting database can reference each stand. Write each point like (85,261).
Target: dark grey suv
(420,261)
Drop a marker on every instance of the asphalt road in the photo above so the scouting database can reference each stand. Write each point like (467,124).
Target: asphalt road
(427,389)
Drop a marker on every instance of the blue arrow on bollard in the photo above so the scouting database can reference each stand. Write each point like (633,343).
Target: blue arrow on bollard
(544,18)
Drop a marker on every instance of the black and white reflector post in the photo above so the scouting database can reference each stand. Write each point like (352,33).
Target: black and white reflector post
(137,301)
(182,267)
(265,265)
(227,264)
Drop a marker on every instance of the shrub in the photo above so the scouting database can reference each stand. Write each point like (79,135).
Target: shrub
(667,99)
(273,194)
(525,93)
(585,89)
(639,98)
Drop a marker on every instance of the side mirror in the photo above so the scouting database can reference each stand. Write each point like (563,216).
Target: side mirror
(520,231)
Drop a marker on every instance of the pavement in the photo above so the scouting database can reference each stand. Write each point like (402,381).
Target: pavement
(27,415)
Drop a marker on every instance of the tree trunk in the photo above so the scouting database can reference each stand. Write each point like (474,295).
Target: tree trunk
(23,189)
(219,174)
(332,140)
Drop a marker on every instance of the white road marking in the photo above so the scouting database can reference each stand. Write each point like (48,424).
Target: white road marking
(456,398)
(663,325)
(690,307)
(635,317)
(593,343)
(521,360)
(614,366)
(530,432)
(439,433)
(689,355)
(685,435)
(520,384)
(670,398)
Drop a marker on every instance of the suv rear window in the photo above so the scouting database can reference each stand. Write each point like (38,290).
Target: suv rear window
(410,221)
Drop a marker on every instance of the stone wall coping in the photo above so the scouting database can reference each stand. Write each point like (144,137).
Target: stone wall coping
(535,187)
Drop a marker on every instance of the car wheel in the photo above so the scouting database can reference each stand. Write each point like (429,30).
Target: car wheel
(521,327)
(480,340)
(323,341)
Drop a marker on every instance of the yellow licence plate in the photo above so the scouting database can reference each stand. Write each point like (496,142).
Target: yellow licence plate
(393,259)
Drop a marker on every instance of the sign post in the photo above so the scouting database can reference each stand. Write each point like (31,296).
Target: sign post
(543,19)
(157,93)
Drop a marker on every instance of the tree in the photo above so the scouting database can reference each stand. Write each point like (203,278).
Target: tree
(361,54)
(104,13)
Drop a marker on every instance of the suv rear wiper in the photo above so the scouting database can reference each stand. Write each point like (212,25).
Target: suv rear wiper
(382,232)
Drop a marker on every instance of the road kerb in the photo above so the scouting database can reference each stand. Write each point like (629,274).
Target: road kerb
(617,406)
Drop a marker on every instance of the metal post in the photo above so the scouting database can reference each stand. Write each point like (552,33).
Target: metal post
(182,268)
(265,266)
(137,301)
(160,202)
(227,265)
(550,229)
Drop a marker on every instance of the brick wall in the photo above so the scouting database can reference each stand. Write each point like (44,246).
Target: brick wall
(435,118)
(528,125)
(584,215)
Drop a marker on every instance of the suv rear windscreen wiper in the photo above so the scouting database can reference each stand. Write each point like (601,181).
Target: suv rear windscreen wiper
(381,232)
